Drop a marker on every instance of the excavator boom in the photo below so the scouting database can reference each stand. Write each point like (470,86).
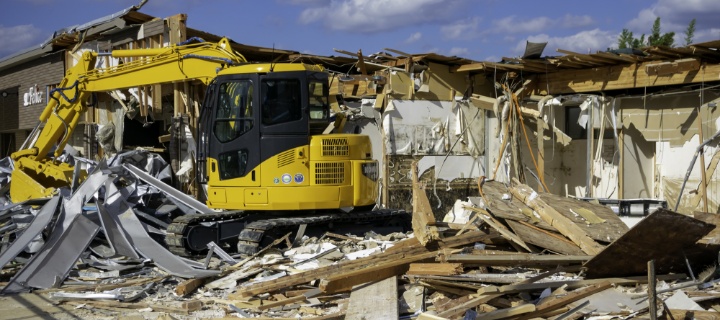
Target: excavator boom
(36,173)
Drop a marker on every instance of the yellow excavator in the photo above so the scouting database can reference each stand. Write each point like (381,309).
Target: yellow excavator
(260,149)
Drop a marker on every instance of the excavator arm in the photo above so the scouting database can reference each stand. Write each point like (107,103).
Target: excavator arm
(37,173)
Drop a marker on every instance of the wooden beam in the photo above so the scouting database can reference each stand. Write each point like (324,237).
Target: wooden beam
(571,284)
(422,215)
(677,66)
(521,259)
(617,77)
(553,303)
(374,301)
(439,269)
(507,313)
(499,227)
(693,314)
(309,294)
(460,309)
(543,238)
(346,280)
(556,219)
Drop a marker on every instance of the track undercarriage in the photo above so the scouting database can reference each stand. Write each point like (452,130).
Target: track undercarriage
(246,232)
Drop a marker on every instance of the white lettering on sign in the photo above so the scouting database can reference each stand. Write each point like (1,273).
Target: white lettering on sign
(33,96)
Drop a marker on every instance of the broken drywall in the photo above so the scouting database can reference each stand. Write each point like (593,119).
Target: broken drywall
(414,127)
(671,118)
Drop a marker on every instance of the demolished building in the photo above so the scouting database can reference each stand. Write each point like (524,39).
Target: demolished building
(469,127)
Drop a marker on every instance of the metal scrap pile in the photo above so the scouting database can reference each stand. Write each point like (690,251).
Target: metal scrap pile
(96,251)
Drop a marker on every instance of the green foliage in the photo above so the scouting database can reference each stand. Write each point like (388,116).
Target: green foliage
(656,38)
(690,33)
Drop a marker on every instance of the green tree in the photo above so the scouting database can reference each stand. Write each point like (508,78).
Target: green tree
(656,38)
(690,33)
(625,40)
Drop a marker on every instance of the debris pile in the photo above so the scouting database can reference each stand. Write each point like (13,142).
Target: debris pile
(96,251)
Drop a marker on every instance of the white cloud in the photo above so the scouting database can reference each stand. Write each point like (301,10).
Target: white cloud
(589,41)
(413,37)
(675,16)
(460,52)
(514,24)
(17,38)
(371,16)
(466,28)
(572,21)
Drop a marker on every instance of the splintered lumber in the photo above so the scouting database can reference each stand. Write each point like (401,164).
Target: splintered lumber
(422,215)
(493,223)
(406,247)
(460,309)
(583,212)
(553,303)
(189,285)
(693,314)
(661,236)
(378,300)
(507,313)
(302,297)
(450,287)
(522,259)
(571,284)
(556,219)
(439,269)
(346,280)
(185,308)
(544,239)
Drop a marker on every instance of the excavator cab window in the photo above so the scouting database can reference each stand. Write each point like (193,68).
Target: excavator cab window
(318,100)
(281,101)
(234,110)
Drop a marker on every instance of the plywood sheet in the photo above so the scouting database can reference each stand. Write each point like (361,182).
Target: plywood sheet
(662,236)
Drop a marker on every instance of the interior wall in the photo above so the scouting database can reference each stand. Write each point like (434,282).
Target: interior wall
(638,165)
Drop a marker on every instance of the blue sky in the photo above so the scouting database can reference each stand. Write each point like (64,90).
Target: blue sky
(484,30)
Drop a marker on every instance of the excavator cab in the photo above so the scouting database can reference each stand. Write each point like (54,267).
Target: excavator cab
(259,147)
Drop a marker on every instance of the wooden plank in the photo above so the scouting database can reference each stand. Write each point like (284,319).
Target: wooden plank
(708,173)
(422,216)
(608,231)
(440,269)
(384,269)
(508,209)
(572,284)
(542,238)
(190,285)
(507,313)
(553,303)
(309,294)
(693,314)
(404,248)
(460,309)
(662,236)
(521,259)
(499,227)
(616,77)
(378,300)
(557,220)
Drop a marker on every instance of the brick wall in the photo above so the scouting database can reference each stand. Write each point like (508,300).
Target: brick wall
(44,71)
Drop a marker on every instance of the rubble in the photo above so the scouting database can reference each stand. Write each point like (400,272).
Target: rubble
(510,252)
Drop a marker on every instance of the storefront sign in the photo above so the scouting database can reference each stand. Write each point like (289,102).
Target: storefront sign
(33,96)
